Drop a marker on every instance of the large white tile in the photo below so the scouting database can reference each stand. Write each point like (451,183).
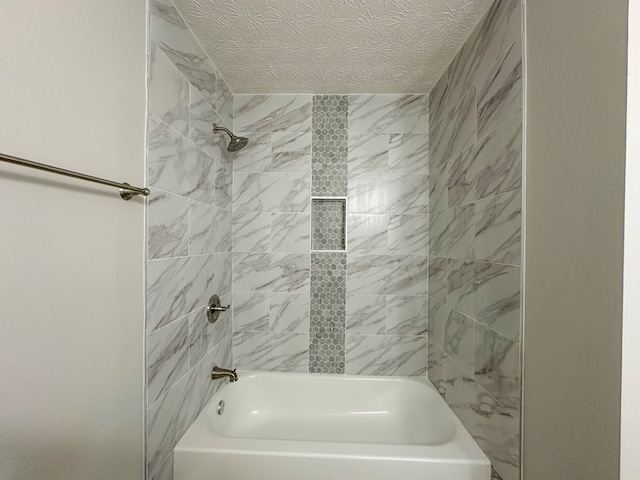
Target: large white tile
(272,113)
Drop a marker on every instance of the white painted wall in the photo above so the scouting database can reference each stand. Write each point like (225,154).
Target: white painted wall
(630,422)
(72,93)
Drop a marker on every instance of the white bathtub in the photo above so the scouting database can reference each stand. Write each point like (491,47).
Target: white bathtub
(289,426)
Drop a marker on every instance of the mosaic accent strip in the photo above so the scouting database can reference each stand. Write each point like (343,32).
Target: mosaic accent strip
(328,311)
(329,216)
(330,142)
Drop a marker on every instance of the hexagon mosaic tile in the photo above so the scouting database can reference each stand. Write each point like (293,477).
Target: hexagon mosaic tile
(330,142)
(328,227)
(328,307)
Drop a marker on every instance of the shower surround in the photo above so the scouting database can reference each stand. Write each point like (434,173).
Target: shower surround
(362,310)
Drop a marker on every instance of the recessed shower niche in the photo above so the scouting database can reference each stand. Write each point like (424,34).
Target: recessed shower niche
(328,223)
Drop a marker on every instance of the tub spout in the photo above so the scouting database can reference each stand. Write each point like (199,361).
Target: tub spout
(218,372)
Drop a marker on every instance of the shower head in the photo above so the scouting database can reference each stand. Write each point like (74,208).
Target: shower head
(236,143)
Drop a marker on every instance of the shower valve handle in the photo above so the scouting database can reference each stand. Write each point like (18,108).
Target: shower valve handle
(214,308)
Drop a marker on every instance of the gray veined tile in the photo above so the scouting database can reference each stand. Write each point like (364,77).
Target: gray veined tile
(223,186)
(497,367)
(460,286)
(408,234)
(455,132)
(406,315)
(199,280)
(389,113)
(435,367)
(366,314)
(461,232)
(167,220)
(368,193)
(168,91)
(201,118)
(438,268)
(289,312)
(291,152)
(409,153)
(209,229)
(500,91)
(462,181)
(408,194)
(251,232)
(272,113)
(439,101)
(497,298)
(271,192)
(256,156)
(387,274)
(437,322)
(368,153)
(204,336)
(169,31)
(386,355)
(498,228)
(166,294)
(438,182)
(459,340)
(290,232)
(439,233)
(176,165)
(166,470)
(223,264)
(167,357)
(223,100)
(280,352)
(367,234)
(271,272)
(250,311)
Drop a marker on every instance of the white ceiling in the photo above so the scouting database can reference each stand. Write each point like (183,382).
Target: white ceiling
(331,46)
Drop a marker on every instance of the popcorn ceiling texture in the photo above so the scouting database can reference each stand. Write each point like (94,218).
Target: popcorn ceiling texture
(319,46)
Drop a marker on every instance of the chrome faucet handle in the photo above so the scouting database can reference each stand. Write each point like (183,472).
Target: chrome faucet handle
(214,308)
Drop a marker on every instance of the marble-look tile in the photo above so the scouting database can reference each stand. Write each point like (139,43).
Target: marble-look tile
(498,228)
(167,223)
(438,318)
(439,233)
(497,367)
(251,232)
(459,340)
(256,156)
(461,232)
(386,355)
(223,101)
(438,268)
(455,132)
(406,315)
(497,162)
(199,281)
(497,298)
(438,180)
(167,357)
(204,336)
(366,314)
(500,91)
(490,424)
(165,292)
(166,470)
(436,367)
(291,152)
(439,97)
(271,192)
(368,193)
(272,113)
(278,352)
(271,272)
(409,153)
(461,184)
(291,232)
(209,229)
(387,274)
(223,264)
(289,312)
(368,153)
(408,194)
(223,186)
(168,91)
(389,114)
(170,32)
(367,234)
(250,311)
(176,165)
(408,234)
(460,286)
(201,118)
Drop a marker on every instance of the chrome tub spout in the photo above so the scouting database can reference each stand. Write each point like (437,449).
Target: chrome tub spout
(218,372)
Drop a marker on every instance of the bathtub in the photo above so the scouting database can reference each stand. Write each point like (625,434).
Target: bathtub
(290,426)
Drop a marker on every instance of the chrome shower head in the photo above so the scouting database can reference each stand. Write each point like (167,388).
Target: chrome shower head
(236,143)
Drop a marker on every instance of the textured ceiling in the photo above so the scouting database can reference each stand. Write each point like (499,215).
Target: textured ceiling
(331,46)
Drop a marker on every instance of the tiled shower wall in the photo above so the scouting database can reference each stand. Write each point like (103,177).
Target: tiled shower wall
(362,310)
(189,233)
(475,228)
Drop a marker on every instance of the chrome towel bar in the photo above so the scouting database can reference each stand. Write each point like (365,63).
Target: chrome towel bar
(127,192)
